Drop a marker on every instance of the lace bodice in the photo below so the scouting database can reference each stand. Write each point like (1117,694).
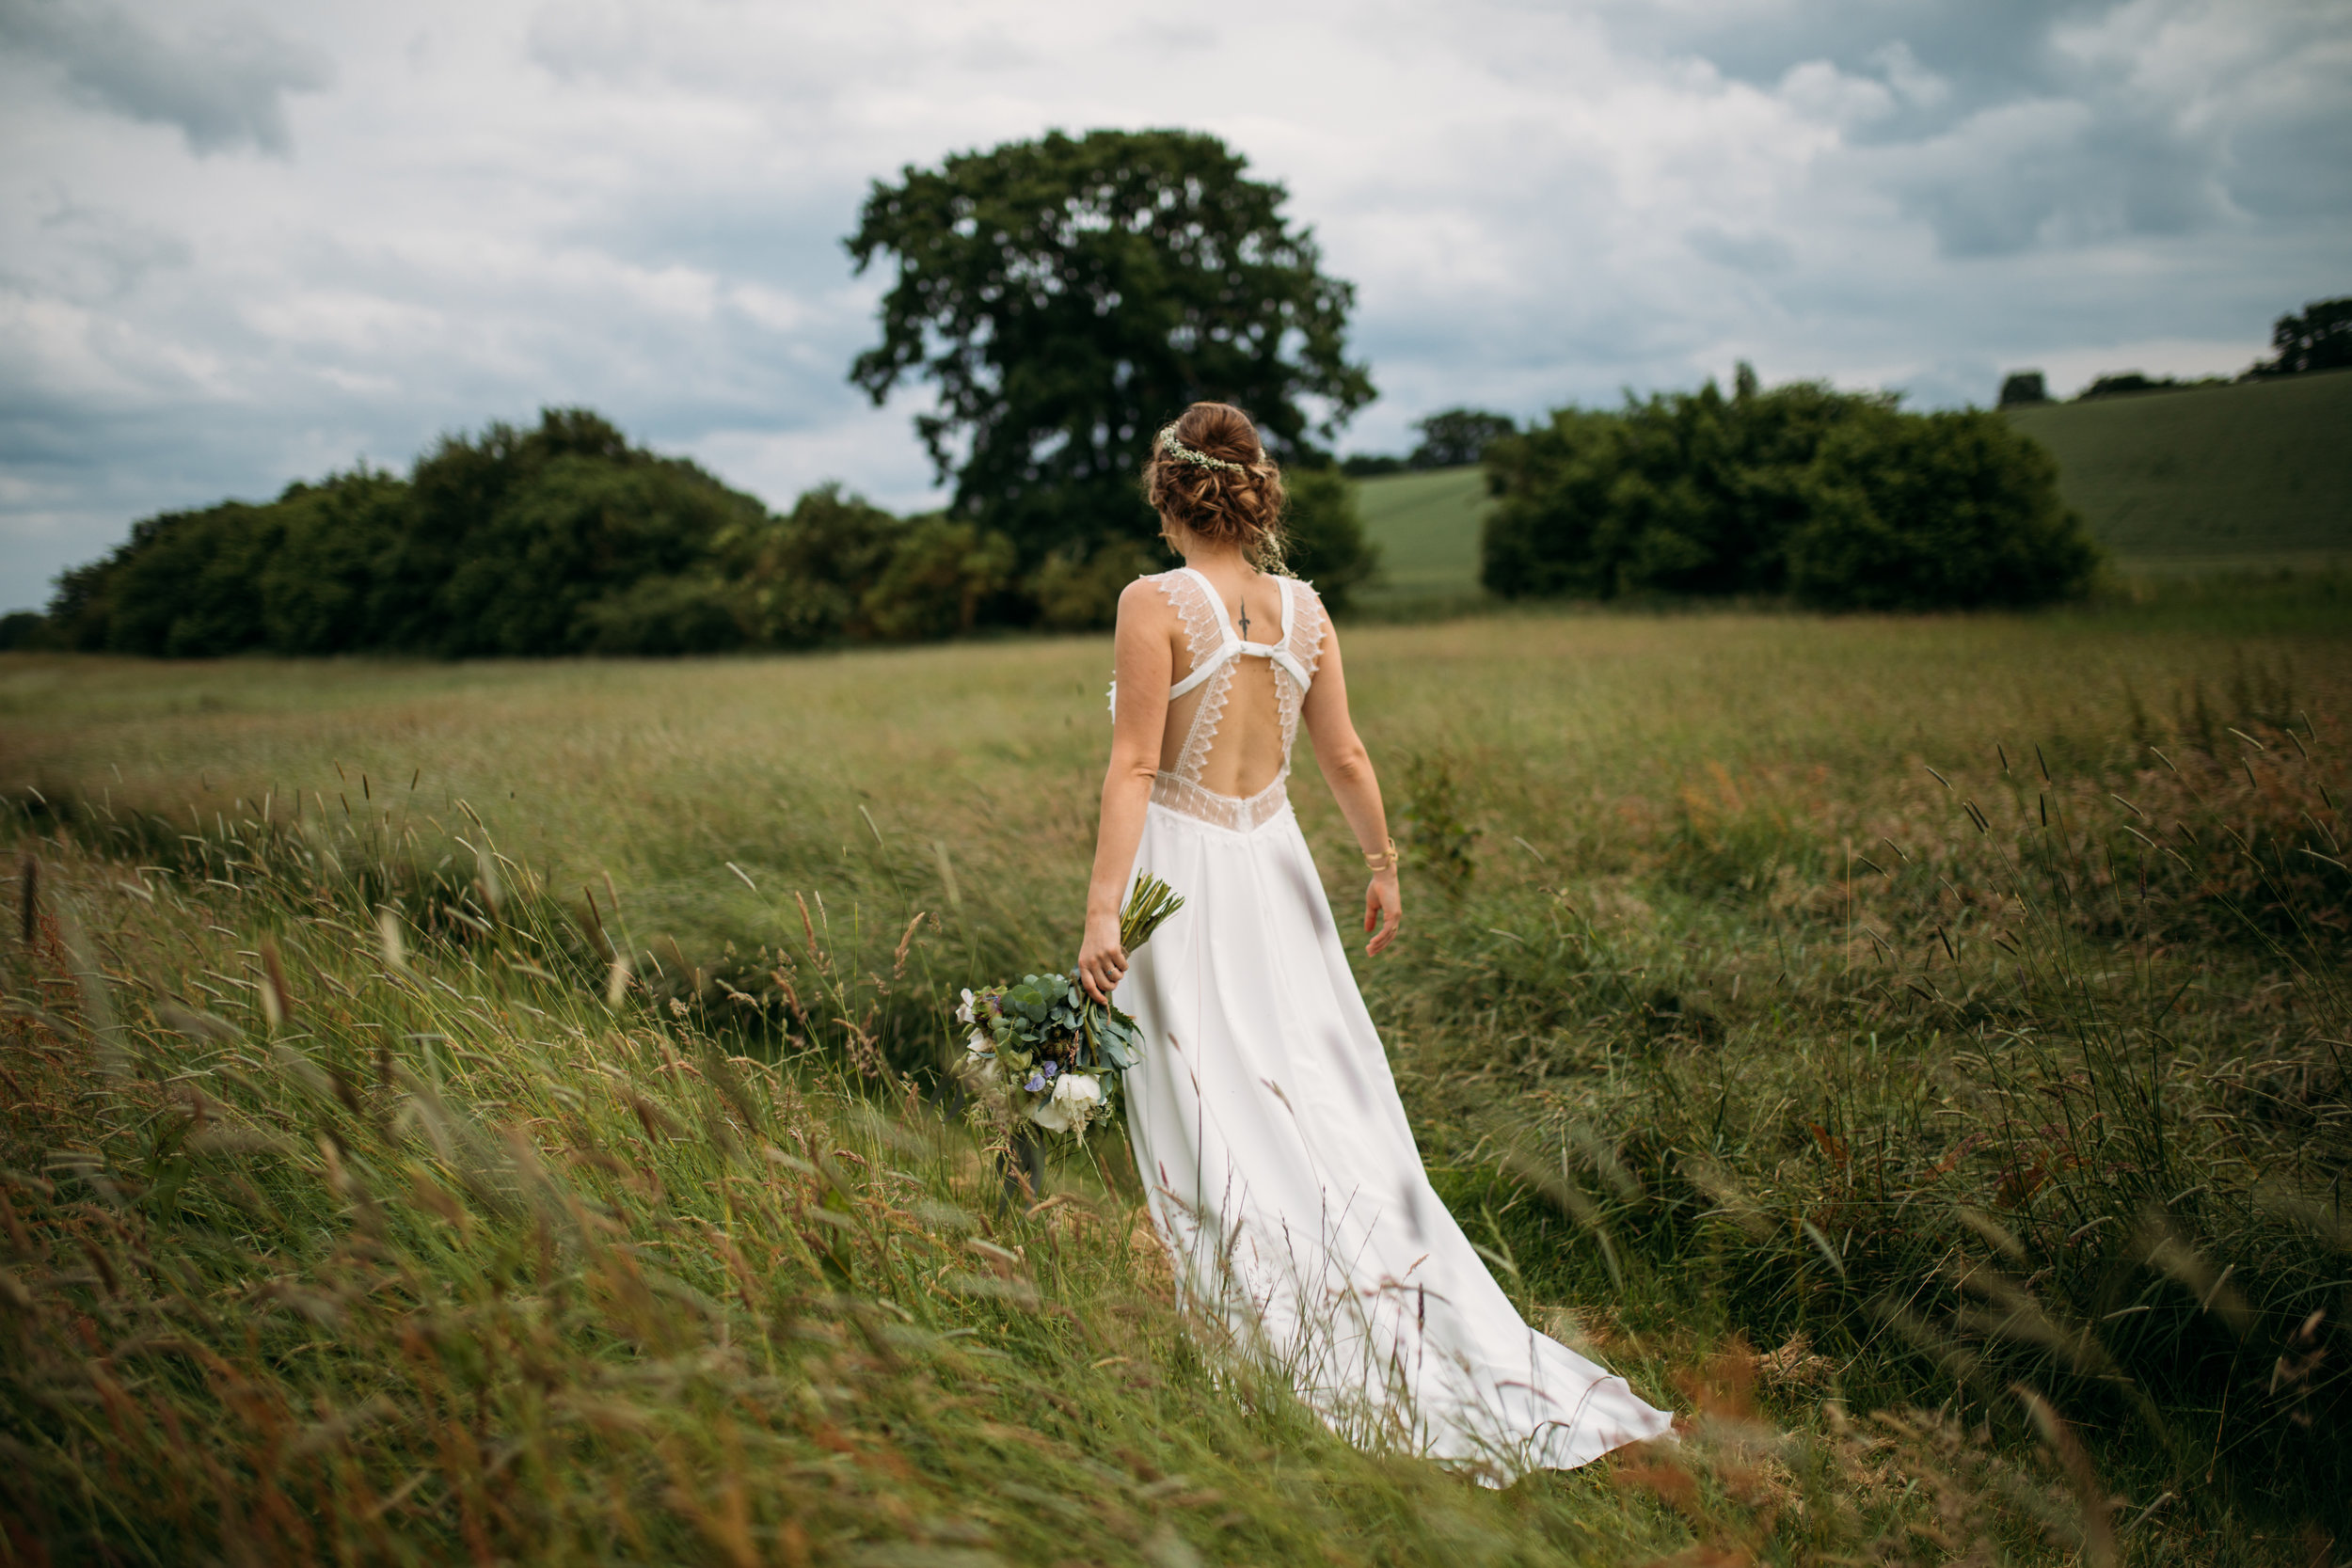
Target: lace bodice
(1200,697)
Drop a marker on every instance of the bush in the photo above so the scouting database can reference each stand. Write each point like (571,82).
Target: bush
(695,613)
(186,585)
(581,528)
(1074,593)
(1689,492)
(2124,383)
(1837,498)
(1458,437)
(807,578)
(333,584)
(25,630)
(2021,388)
(551,541)
(937,579)
(1913,512)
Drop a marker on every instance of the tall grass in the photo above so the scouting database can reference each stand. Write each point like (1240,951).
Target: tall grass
(2008,1094)
(334,1237)
(2044,1099)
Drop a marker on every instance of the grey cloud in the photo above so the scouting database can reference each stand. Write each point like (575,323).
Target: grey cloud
(1983,51)
(789,239)
(2002,131)
(224,85)
(2065,173)
(2020,175)
(638,43)
(85,454)
(96,255)
(1749,253)
(72,493)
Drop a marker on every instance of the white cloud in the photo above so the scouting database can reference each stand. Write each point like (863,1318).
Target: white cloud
(637,205)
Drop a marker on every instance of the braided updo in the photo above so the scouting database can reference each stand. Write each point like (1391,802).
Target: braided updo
(1234,497)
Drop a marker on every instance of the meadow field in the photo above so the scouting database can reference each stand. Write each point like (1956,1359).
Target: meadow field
(494,1111)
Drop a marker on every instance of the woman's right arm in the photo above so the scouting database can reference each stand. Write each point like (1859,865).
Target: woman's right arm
(1144,662)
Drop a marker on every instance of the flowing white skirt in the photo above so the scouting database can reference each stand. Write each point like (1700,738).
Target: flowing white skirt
(1286,1182)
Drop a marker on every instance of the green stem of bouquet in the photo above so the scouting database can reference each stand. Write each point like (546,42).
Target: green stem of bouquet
(1150,902)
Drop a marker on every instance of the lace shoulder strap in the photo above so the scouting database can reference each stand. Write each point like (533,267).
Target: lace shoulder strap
(1305,643)
(1203,626)
(1192,606)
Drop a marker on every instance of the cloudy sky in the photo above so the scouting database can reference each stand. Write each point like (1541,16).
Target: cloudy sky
(243,241)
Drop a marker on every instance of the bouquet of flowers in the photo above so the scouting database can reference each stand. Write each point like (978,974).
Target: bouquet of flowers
(1044,1052)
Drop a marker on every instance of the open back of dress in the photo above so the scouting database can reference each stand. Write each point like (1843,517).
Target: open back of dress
(1282,1173)
(1232,713)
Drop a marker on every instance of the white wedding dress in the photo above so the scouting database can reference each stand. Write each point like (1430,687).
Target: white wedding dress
(1266,1126)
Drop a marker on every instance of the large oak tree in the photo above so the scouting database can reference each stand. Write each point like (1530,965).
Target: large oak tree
(1067,295)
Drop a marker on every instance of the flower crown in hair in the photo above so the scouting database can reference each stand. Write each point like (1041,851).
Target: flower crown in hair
(1174,448)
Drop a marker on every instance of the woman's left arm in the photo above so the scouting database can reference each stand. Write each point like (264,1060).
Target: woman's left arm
(1347,768)
(1143,660)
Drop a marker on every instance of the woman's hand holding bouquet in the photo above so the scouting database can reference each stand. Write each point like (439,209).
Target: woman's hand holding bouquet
(1042,1053)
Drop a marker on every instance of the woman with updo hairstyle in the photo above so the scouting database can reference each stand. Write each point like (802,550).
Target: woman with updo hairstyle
(1236,499)
(1280,1171)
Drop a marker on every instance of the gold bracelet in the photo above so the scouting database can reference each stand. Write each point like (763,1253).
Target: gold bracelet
(1382,862)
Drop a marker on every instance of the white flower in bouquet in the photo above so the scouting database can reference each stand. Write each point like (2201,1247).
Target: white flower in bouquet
(979,1069)
(963,1010)
(1076,1098)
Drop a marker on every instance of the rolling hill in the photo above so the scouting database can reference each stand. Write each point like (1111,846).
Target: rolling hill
(2253,474)
(1426,525)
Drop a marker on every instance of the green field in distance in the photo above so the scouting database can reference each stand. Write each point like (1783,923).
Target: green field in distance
(1426,525)
(2253,475)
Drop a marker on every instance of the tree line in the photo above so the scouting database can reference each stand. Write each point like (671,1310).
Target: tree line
(2318,338)
(565,539)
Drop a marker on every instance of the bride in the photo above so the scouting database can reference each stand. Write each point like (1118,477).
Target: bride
(1280,1169)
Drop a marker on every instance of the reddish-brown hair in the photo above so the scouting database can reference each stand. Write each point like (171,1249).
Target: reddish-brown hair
(1220,505)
